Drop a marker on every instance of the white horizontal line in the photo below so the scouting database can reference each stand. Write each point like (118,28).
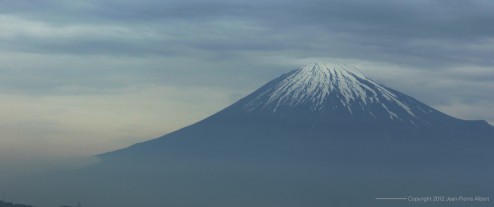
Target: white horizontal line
(391,198)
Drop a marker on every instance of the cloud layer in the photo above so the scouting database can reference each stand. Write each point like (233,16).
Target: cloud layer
(423,33)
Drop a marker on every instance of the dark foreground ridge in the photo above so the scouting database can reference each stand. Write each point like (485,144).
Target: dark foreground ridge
(8,204)
(318,136)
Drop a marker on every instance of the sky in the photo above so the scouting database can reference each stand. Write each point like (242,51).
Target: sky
(79,78)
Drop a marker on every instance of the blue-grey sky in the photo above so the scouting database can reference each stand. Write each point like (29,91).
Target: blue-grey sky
(83,77)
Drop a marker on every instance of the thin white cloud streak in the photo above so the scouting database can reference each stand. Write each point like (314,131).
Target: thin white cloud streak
(17,28)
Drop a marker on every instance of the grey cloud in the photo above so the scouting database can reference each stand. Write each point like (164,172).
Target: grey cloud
(400,19)
(43,75)
(178,37)
(420,33)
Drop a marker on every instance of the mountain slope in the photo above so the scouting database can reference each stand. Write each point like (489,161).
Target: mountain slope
(338,93)
(311,114)
(318,136)
(321,88)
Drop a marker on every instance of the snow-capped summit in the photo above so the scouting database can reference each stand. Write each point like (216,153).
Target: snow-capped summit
(333,90)
(313,84)
(316,102)
(322,113)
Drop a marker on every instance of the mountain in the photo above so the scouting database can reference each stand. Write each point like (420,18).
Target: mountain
(338,93)
(318,136)
(317,113)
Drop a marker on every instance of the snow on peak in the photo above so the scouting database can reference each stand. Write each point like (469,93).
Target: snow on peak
(314,82)
(323,87)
